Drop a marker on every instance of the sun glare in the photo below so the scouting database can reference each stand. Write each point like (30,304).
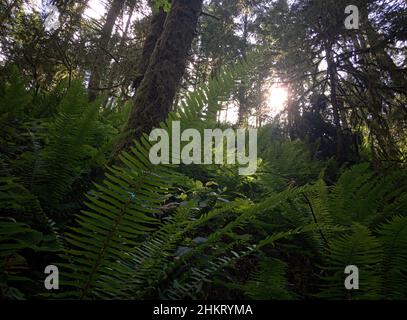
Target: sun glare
(276,99)
(95,9)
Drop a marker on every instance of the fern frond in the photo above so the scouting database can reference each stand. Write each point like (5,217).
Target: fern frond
(393,237)
(317,199)
(15,238)
(362,195)
(69,132)
(361,249)
(121,211)
(269,282)
(153,259)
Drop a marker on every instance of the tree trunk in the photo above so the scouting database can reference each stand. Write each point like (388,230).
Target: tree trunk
(242,91)
(155,95)
(102,46)
(293,114)
(341,150)
(156,29)
(114,74)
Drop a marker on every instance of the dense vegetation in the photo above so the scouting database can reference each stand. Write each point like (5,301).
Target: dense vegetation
(77,189)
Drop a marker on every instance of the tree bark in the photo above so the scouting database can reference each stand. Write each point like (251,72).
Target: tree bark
(114,73)
(155,95)
(341,150)
(156,29)
(102,45)
(293,114)
(242,91)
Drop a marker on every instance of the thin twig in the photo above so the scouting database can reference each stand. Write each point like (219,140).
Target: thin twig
(315,218)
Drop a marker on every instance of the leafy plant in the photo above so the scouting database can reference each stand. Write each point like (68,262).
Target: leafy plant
(121,211)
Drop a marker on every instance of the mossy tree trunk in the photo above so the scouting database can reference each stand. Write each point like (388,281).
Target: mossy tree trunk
(156,92)
(156,29)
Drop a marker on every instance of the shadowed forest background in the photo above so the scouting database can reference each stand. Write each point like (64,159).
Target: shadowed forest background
(83,83)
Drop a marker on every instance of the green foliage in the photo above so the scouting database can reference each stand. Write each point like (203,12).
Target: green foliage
(15,239)
(361,249)
(14,100)
(140,231)
(164,4)
(121,212)
(44,156)
(393,237)
(285,163)
(55,149)
(361,200)
(70,142)
(168,232)
(269,282)
(18,203)
(122,209)
(367,197)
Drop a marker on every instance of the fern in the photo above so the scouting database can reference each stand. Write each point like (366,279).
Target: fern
(15,239)
(210,259)
(18,203)
(393,237)
(362,195)
(121,212)
(318,201)
(269,282)
(14,100)
(153,259)
(71,130)
(285,163)
(57,144)
(361,249)
(190,284)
